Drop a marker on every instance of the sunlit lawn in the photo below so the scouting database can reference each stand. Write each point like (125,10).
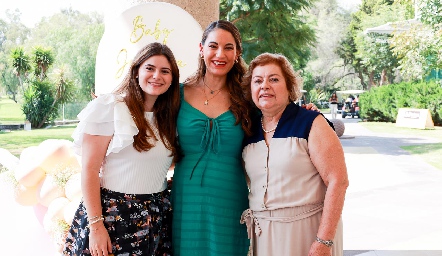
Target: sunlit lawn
(17,140)
(10,112)
(431,153)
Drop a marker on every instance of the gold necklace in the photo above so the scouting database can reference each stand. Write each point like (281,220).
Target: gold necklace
(211,91)
(206,102)
(269,131)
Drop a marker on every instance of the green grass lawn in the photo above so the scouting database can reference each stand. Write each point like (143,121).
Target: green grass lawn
(431,153)
(17,140)
(10,112)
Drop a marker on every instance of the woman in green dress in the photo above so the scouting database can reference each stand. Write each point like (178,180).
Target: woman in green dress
(209,187)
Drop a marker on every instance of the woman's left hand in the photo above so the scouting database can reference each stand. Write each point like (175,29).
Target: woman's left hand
(311,106)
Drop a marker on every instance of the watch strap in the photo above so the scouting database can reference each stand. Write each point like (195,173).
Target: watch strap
(328,243)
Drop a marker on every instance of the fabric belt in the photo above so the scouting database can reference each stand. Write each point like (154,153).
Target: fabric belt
(251,218)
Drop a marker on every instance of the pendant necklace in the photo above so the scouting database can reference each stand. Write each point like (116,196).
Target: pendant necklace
(211,91)
(206,102)
(267,131)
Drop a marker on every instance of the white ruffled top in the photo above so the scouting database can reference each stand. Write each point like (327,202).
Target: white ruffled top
(124,169)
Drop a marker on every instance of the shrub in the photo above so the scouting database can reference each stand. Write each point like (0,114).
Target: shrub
(382,103)
(38,102)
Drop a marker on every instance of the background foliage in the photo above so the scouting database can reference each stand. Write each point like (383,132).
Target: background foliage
(383,103)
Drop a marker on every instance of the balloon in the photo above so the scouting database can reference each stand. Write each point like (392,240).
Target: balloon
(26,196)
(40,212)
(73,187)
(49,190)
(56,208)
(54,152)
(28,172)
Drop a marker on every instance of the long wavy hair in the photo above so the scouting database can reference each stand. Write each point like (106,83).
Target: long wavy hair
(240,107)
(292,79)
(165,108)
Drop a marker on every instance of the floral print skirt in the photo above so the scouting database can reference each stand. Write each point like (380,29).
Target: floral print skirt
(138,224)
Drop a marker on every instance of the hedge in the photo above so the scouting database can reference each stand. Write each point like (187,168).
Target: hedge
(382,103)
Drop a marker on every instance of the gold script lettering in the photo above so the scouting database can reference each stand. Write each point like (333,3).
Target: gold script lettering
(140,30)
(181,63)
(121,62)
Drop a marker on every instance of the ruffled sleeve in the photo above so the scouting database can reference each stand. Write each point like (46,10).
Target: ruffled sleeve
(106,116)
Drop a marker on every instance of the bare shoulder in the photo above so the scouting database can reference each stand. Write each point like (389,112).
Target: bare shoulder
(190,88)
(322,136)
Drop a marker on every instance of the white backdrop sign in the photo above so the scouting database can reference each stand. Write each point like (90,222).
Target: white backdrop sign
(139,25)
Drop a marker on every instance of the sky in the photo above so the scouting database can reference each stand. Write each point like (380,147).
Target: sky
(33,10)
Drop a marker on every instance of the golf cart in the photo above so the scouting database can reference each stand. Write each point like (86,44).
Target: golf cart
(350,103)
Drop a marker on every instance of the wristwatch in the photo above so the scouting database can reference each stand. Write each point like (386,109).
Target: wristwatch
(328,243)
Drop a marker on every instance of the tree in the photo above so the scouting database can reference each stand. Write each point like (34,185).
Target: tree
(74,38)
(370,55)
(271,26)
(43,97)
(420,48)
(431,13)
(8,80)
(330,72)
(375,53)
(12,32)
(37,101)
(64,92)
(43,59)
(21,64)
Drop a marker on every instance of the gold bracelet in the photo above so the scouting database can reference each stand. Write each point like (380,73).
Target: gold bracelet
(95,217)
(95,221)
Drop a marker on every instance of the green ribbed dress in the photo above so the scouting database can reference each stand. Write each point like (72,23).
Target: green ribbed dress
(209,190)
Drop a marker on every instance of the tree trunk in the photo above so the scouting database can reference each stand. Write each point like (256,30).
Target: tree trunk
(361,77)
(372,82)
(42,122)
(384,78)
(21,84)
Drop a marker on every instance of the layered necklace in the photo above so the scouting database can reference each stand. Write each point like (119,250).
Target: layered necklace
(267,131)
(215,92)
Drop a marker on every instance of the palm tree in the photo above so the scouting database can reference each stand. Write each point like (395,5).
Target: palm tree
(64,92)
(20,63)
(43,60)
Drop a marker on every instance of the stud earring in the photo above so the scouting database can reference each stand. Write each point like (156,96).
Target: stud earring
(236,61)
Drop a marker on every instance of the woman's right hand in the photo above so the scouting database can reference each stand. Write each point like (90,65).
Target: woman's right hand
(99,241)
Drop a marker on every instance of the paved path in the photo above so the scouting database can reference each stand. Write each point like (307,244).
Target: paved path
(394,202)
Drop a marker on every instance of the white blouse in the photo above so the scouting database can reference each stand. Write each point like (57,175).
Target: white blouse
(124,169)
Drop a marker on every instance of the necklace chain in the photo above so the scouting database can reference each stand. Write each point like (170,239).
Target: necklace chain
(267,131)
(206,102)
(211,91)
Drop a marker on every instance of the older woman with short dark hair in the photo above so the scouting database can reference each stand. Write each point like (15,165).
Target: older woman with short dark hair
(295,168)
